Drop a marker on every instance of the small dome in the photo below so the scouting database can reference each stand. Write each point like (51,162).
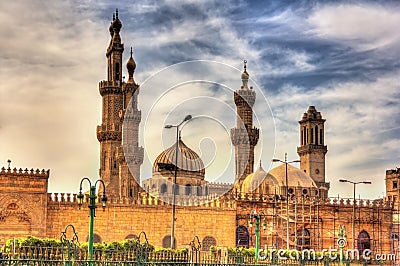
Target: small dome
(131,65)
(111,29)
(296,177)
(259,179)
(189,162)
(116,25)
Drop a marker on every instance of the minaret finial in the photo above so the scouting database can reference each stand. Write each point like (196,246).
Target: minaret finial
(131,52)
(244,65)
(113,16)
(116,13)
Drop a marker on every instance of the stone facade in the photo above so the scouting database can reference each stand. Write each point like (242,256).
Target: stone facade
(23,202)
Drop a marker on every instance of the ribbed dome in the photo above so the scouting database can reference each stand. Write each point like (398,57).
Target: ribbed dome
(260,179)
(296,177)
(188,161)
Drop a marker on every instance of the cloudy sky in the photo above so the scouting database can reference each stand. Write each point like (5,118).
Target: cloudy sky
(341,56)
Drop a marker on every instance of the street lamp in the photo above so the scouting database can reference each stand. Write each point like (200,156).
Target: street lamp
(287,194)
(187,118)
(354,203)
(92,208)
(255,217)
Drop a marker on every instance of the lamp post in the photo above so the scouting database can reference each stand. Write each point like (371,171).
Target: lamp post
(187,118)
(287,194)
(354,205)
(92,208)
(255,217)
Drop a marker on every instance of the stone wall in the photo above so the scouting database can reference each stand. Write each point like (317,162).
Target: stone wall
(122,219)
(23,202)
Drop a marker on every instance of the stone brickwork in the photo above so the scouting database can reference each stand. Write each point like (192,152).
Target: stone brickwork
(244,136)
(23,202)
(123,218)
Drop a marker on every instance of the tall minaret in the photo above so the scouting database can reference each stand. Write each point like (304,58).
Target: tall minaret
(109,133)
(312,149)
(244,136)
(131,154)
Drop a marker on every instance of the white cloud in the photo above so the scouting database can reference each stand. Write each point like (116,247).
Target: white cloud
(357,114)
(360,26)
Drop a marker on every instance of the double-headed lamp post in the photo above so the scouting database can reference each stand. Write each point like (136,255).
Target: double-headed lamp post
(354,205)
(92,208)
(255,217)
(287,194)
(187,118)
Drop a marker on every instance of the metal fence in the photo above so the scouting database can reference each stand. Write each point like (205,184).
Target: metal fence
(79,256)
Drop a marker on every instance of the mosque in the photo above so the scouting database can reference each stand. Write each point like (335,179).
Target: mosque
(292,202)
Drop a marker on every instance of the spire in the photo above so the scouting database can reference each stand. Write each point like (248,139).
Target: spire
(245,75)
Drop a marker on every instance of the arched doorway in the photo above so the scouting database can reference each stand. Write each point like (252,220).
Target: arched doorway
(207,242)
(96,238)
(364,241)
(166,241)
(242,236)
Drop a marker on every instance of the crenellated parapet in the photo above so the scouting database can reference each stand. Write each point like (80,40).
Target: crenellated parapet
(110,87)
(24,181)
(131,153)
(145,199)
(315,201)
(20,172)
(111,132)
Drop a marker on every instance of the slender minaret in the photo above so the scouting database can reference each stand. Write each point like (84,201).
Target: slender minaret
(312,148)
(120,180)
(130,154)
(109,133)
(244,136)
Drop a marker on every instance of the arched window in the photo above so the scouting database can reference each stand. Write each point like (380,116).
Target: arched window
(207,242)
(117,71)
(163,188)
(307,137)
(321,137)
(242,236)
(166,241)
(301,137)
(131,236)
(188,189)
(176,189)
(199,192)
(96,238)
(312,135)
(303,238)
(316,134)
(364,241)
